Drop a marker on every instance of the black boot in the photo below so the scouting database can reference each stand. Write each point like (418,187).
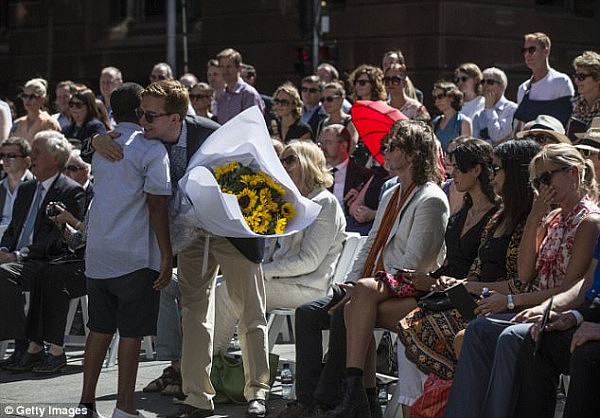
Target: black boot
(355,403)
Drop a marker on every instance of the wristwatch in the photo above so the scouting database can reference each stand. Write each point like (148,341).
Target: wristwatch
(510,304)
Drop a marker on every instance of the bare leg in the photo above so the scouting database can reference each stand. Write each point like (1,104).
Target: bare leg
(129,354)
(458,341)
(370,370)
(95,351)
(390,311)
(360,315)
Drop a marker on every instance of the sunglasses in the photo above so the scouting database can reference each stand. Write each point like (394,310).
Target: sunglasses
(546,178)
(24,96)
(77,105)
(312,90)
(489,82)
(289,160)
(281,102)
(139,112)
(586,153)
(361,82)
(581,76)
(9,156)
(461,79)
(200,96)
(393,80)
(439,96)
(73,168)
(385,148)
(329,99)
(529,50)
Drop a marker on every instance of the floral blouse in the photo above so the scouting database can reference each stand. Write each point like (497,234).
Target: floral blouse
(556,248)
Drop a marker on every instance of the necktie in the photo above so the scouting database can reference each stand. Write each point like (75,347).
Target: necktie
(178,161)
(29,224)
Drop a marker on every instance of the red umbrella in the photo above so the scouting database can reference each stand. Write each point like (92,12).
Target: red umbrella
(373,120)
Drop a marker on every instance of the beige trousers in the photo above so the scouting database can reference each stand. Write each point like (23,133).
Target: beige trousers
(245,286)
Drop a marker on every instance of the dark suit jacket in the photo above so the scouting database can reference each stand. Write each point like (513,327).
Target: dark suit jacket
(315,119)
(28,176)
(47,242)
(198,129)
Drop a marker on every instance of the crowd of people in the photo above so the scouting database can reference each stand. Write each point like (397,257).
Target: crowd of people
(495,195)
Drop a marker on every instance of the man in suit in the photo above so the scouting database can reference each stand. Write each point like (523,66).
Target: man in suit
(238,258)
(32,239)
(14,155)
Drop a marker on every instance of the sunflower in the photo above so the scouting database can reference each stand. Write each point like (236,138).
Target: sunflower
(227,168)
(247,199)
(280,226)
(287,210)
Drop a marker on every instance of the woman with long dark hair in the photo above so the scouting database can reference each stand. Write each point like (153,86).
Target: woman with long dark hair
(86,119)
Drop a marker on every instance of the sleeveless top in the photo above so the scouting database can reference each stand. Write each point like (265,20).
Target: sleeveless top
(450,131)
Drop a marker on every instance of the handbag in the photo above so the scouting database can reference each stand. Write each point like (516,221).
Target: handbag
(435,302)
(432,403)
(227,377)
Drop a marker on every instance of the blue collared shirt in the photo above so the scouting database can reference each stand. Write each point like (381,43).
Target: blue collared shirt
(495,124)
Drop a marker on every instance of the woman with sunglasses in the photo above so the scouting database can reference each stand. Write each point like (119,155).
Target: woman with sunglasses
(452,122)
(287,108)
(84,113)
(36,119)
(587,103)
(555,252)
(467,78)
(366,83)
(395,84)
(201,96)
(332,98)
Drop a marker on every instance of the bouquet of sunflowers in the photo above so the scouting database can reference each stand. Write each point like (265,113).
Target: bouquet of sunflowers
(235,186)
(260,198)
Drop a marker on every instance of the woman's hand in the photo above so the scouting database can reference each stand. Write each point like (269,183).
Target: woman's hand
(541,202)
(420,280)
(495,303)
(443,283)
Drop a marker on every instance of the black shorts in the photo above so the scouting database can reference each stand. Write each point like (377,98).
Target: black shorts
(127,303)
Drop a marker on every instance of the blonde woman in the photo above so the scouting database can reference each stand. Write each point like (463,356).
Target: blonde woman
(287,107)
(36,119)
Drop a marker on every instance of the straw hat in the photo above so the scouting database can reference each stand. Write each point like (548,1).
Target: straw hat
(590,139)
(547,125)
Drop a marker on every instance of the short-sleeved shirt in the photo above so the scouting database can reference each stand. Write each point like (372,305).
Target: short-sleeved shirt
(120,237)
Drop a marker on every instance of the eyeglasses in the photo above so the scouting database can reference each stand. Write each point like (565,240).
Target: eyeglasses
(281,102)
(385,148)
(581,76)
(489,82)
(157,77)
(312,90)
(9,156)
(139,112)
(361,82)
(77,105)
(200,96)
(461,79)
(439,96)
(529,50)
(24,96)
(329,99)
(73,168)
(289,160)
(586,153)
(496,169)
(393,80)
(546,178)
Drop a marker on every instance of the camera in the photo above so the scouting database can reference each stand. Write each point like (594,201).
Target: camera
(51,208)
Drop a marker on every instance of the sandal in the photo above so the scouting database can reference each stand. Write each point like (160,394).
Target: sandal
(173,389)
(168,377)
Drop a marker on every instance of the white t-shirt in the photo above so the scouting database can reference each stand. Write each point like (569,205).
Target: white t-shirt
(473,106)
(551,87)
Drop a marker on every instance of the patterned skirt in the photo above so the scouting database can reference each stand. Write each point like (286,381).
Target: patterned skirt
(428,340)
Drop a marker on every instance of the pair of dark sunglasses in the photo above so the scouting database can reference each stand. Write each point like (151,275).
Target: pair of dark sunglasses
(73,168)
(139,112)
(289,160)
(281,102)
(546,177)
(9,156)
(329,99)
(393,80)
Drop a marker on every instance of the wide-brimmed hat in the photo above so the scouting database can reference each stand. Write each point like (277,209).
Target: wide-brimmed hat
(545,124)
(590,139)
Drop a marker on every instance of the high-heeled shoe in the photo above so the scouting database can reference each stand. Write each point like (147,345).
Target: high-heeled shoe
(355,403)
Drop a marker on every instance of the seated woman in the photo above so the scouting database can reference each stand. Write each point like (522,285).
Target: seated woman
(287,107)
(36,119)
(451,123)
(386,304)
(332,98)
(50,298)
(86,120)
(395,84)
(407,233)
(467,77)
(555,252)
(455,198)
(299,267)
(428,336)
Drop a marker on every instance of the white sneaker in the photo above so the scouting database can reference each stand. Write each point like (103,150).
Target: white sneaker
(118,413)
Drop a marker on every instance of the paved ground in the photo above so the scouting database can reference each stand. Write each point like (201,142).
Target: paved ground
(20,391)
